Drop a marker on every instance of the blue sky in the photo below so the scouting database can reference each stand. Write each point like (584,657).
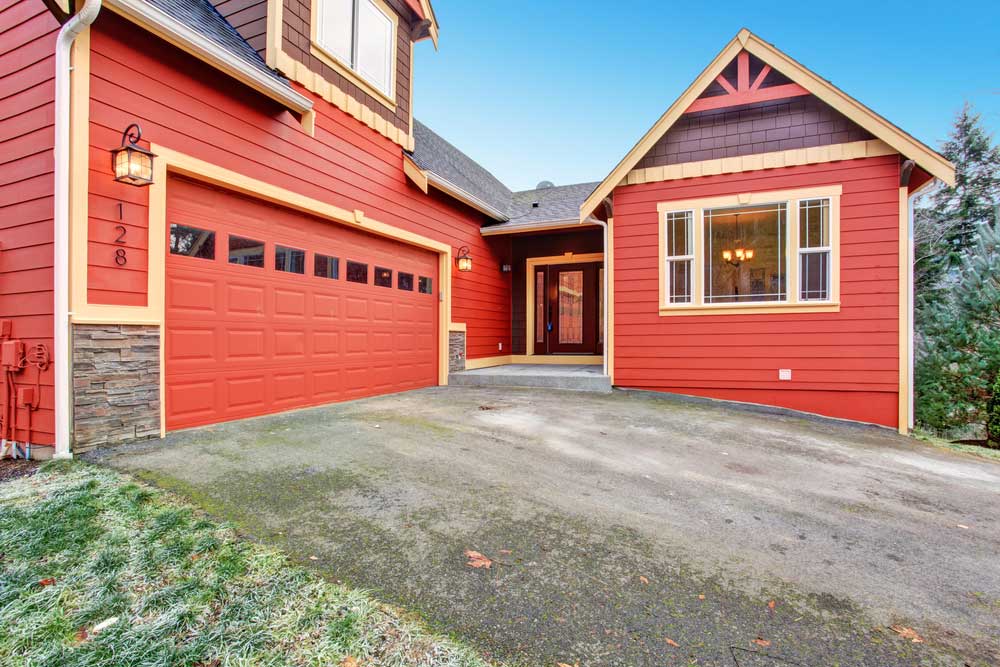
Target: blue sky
(561,90)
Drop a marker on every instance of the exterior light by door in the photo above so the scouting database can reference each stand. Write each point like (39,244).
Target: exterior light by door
(132,163)
(464,260)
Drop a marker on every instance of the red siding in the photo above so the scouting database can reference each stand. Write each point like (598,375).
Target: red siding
(27,92)
(186,106)
(844,364)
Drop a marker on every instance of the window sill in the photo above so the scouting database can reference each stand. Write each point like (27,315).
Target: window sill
(750,308)
(355,78)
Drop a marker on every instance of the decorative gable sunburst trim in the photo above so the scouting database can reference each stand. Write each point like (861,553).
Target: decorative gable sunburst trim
(902,142)
(733,165)
(317,84)
(746,91)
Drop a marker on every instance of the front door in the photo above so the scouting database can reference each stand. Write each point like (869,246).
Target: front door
(569,300)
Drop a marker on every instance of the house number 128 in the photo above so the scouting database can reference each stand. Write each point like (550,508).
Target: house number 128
(120,257)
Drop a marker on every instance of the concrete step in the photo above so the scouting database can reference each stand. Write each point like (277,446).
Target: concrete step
(572,378)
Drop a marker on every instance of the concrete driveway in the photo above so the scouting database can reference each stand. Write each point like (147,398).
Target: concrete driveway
(624,529)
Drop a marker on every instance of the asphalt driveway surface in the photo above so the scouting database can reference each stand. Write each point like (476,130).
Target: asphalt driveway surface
(623,529)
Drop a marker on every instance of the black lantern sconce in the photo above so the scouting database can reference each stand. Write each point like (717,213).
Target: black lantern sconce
(132,163)
(464,260)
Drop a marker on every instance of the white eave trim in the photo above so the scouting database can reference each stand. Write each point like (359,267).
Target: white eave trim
(449,188)
(160,23)
(509,228)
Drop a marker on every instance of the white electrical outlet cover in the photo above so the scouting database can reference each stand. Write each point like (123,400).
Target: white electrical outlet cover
(784,373)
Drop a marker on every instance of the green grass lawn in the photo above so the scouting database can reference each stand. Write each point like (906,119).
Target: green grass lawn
(96,569)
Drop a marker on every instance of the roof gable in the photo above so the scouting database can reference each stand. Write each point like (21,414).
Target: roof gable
(801,81)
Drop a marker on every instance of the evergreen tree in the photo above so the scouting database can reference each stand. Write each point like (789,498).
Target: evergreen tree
(958,349)
(947,224)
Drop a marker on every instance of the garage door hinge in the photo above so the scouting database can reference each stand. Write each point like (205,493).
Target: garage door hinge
(441,297)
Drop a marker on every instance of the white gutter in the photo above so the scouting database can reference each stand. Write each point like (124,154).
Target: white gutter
(61,354)
(472,200)
(164,25)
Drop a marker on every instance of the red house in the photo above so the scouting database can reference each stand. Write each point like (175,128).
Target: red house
(211,212)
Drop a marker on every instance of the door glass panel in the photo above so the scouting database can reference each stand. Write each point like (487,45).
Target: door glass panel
(540,307)
(600,301)
(571,307)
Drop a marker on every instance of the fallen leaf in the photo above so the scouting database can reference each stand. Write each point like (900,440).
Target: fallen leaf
(81,635)
(564,664)
(313,558)
(643,579)
(506,552)
(770,605)
(673,643)
(962,526)
(701,597)
(48,581)
(349,661)
(477,560)
(761,642)
(103,625)
(907,633)
(195,556)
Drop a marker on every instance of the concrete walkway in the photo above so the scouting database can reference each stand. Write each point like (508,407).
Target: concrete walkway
(617,522)
(572,377)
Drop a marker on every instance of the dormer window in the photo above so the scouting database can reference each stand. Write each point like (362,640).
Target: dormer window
(360,36)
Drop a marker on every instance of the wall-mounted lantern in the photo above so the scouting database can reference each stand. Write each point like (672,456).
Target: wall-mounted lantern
(464,260)
(132,163)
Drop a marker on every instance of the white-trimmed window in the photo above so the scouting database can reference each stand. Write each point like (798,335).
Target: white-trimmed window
(751,252)
(814,249)
(361,36)
(678,231)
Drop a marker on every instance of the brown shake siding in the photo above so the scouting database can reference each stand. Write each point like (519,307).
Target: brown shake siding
(763,127)
(296,42)
(249,17)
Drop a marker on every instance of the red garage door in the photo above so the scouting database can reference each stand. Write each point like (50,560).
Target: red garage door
(268,309)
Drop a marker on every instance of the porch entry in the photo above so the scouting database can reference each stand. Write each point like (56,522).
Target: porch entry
(566,304)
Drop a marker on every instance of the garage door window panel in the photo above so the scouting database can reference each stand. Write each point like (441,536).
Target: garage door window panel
(289,260)
(426,285)
(357,272)
(192,242)
(325,266)
(405,281)
(383,277)
(246,252)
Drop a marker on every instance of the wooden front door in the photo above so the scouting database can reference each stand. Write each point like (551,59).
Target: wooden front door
(568,309)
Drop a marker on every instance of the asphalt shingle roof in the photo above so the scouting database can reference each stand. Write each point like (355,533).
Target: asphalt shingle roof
(432,153)
(201,15)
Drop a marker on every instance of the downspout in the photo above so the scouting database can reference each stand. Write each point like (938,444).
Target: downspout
(64,45)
